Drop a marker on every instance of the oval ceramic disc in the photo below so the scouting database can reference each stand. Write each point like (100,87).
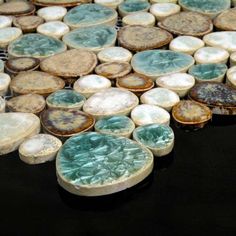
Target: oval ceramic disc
(149,114)
(226,20)
(208,72)
(15,128)
(39,149)
(17,8)
(140,38)
(155,63)
(94,38)
(132,6)
(72,63)
(5,80)
(66,123)
(93,164)
(36,82)
(187,23)
(158,138)
(207,7)
(64,3)
(52,13)
(116,125)
(9,34)
(162,10)
(90,15)
(113,70)
(112,101)
(139,18)
(35,45)
(188,112)
(218,96)
(29,103)
(109,3)
(135,83)
(65,99)
(5,21)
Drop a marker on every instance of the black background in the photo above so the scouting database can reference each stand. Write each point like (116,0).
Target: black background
(192,191)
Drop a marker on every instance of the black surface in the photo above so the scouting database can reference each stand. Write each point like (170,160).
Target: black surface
(192,191)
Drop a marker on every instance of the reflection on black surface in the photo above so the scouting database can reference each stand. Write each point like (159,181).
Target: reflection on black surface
(223,120)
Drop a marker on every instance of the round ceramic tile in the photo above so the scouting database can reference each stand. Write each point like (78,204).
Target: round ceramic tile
(5,21)
(109,3)
(87,15)
(5,80)
(140,18)
(109,102)
(140,38)
(231,77)
(28,103)
(89,84)
(52,13)
(226,20)
(118,163)
(150,114)
(64,3)
(9,34)
(180,83)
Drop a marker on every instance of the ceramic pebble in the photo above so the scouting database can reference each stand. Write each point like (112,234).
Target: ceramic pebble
(5,80)
(140,18)
(52,13)
(5,21)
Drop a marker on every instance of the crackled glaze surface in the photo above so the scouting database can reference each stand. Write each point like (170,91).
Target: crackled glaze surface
(154,135)
(93,37)
(89,14)
(131,6)
(36,45)
(96,159)
(160,62)
(226,20)
(208,72)
(116,125)
(65,99)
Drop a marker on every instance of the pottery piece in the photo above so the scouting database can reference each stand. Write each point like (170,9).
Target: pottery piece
(118,54)
(140,38)
(28,103)
(52,13)
(117,163)
(159,139)
(208,72)
(208,55)
(140,18)
(180,83)
(162,10)
(110,102)
(226,20)
(90,15)
(90,84)
(156,63)
(186,44)
(187,23)
(109,3)
(5,21)
(35,45)
(2,105)
(39,148)
(63,3)
(115,125)
(15,128)
(9,34)
(5,80)
(94,38)
(150,114)
(65,99)
(113,70)
(231,77)
(65,123)
(36,82)
(209,8)
(191,115)
(132,6)
(217,96)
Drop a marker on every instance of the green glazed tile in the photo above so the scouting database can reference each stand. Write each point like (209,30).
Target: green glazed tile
(133,6)
(36,45)
(206,72)
(96,159)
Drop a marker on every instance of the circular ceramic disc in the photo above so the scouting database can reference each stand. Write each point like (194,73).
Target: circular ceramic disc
(35,45)
(36,82)
(226,20)
(140,18)
(132,6)
(140,38)
(187,23)
(90,15)
(94,38)
(5,80)
(113,70)
(66,123)
(64,3)
(5,21)
(39,149)
(135,83)
(190,112)
(149,114)
(155,63)
(162,10)
(112,101)
(116,163)
(109,3)
(72,63)
(52,13)
(29,103)
(9,34)
(65,99)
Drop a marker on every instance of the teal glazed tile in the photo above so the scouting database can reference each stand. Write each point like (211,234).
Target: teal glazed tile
(133,6)
(208,71)
(36,45)
(96,159)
